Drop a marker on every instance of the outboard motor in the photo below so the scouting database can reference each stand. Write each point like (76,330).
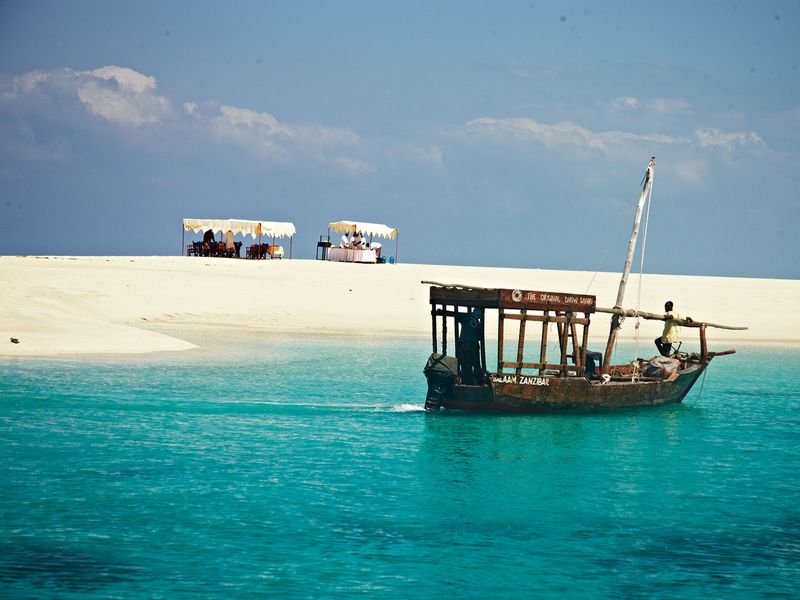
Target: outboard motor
(441,372)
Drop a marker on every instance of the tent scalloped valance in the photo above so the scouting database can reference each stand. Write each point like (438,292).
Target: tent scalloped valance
(240,226)
(376,229)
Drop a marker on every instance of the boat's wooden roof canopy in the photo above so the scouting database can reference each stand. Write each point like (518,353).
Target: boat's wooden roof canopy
(477,297)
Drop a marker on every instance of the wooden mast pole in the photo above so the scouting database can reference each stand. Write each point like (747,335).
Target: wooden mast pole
(615,319)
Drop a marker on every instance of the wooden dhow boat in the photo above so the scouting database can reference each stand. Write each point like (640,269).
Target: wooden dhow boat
(571,380)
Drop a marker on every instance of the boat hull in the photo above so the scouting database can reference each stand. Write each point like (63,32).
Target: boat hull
(513,393)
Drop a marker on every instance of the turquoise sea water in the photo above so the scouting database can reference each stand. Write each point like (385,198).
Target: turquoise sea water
(297,468)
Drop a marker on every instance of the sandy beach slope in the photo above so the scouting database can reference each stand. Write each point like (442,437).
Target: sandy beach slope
(80,305)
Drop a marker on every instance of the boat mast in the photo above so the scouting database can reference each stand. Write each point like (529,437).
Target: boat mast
(615,319)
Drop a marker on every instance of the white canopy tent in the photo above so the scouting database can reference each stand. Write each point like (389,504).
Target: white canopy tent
(371,229)
(275,229)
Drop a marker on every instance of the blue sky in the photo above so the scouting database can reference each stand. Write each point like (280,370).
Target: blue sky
(497,134)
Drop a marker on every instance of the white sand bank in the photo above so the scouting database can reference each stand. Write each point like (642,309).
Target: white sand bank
(80,305)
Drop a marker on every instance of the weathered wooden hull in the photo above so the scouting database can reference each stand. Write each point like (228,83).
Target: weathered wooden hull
(562,394)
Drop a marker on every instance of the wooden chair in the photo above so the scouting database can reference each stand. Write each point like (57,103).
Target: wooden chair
(211,248)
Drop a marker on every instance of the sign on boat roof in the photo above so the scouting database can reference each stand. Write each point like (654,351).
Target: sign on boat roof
(376,229)
(513,299)
(240,226)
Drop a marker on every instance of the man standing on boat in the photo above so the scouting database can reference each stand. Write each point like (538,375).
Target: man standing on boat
(469,339)
(672,331)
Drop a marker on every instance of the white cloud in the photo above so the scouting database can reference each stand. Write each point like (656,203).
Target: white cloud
(548,134)
(715,137)
(117,94)
(126,79)
(568,134)
(129,99)
(625,102)
(661,106)
(667,105)
(565,133)
(431,155)
(28,81)
(264,135)
(246,118)
(122,96)
(123,106)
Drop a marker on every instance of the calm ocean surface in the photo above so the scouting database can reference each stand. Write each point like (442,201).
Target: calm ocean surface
(297,468)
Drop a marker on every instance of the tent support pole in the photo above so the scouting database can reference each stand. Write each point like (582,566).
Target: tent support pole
(396,245)
(291,239)
(259,245)
(183,243)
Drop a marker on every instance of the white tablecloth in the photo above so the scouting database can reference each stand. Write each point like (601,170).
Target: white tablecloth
(348,255)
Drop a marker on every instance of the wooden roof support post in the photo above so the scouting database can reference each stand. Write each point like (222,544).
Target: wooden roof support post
(563,341)
(500,320)
(433,327)
(543,348)
(456,333)
(521,341)
(573,330)
(483,345)
(560,329)
(585,341)
(444,329)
